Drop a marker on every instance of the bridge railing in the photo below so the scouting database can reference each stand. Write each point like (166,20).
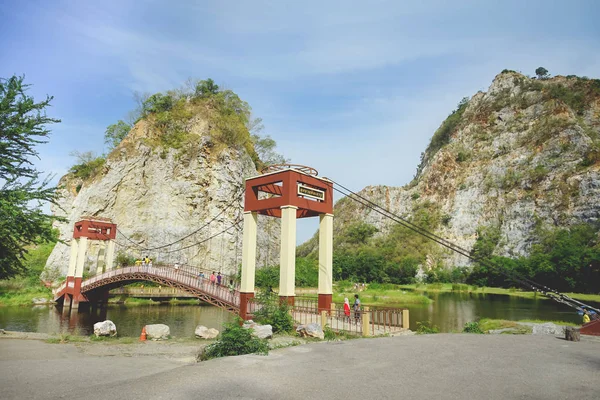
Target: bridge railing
(380,321)
(181,276)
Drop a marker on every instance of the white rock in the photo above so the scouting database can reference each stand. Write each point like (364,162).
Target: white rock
(40,300)
(548,328)
(260,331)
(158,331)
(105,328)
(206,333)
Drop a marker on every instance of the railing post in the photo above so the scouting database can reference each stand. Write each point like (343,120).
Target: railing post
(323,319)
(365,321)
(405,320)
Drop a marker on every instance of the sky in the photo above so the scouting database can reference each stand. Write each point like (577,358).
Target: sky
(354,89)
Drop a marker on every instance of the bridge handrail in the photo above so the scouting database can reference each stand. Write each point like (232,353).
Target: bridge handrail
(180,276)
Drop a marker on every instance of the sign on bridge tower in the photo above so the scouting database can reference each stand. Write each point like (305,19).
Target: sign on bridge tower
(288,192)
(84,230)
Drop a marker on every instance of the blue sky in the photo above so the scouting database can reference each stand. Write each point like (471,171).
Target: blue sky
(353,88)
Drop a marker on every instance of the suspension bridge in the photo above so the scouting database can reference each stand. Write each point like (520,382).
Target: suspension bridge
(288,192)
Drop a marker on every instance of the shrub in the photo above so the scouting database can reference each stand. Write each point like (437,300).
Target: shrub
(472,327)
(329,333)
(235,341)
(273,313)
(88,169)
(425,328)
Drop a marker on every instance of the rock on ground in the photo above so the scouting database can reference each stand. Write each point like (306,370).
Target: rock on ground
(158,331)
(548,329)
(203,332)
(311,330)
(105,328)
(40,300)
(260,331)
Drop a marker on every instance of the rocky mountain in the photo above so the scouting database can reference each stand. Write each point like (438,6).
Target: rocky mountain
(522,156)
(161,185)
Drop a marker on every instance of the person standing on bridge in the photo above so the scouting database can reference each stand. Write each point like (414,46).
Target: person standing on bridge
(213,278)
(219,277)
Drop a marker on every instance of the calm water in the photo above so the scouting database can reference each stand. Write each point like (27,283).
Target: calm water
(181,319)
(449,311)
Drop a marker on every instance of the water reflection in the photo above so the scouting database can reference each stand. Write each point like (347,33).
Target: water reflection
(182,319)
(450,311)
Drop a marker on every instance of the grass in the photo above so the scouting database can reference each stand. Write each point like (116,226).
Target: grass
(21,292)
(383,297)
(448,287)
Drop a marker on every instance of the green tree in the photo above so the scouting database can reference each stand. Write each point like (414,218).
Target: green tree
(206,88)
(542,73)
(22,221)
(115,133)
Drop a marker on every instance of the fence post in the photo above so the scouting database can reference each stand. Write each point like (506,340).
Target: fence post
(365,321)
(323,319)
(405,320)
(333,309)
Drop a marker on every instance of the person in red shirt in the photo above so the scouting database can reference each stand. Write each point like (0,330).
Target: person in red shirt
(347,309)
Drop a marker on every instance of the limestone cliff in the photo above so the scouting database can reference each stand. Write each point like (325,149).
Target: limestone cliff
(524,154)
(158,193)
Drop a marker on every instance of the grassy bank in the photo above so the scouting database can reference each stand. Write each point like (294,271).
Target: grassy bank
(21,292)
(487,324)
(462,288)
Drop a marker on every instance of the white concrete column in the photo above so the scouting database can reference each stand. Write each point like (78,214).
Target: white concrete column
(73,257)
(101,259)
(287,257)
(249,252)
(81,257)
(326,254)
(109,257)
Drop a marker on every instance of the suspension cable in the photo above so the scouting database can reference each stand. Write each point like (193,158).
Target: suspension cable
(513,275)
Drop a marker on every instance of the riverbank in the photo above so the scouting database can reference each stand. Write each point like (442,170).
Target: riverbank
(463,288)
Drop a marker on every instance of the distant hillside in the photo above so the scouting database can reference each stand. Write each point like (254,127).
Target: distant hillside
(507,164)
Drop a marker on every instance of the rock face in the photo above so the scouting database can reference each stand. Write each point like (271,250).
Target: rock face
(203,332)
(521,156)
(548,328)
(311,330)
(158,331)
(105,328)
(158,194)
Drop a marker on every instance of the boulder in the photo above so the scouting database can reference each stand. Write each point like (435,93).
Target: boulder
(311,330)
(158,331)
(548,328)
(203,332)
(260,331)
(106,328)
(40,300)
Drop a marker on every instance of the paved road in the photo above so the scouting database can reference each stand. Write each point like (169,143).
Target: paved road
(443,366)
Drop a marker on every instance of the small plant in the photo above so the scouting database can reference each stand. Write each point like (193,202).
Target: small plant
(235,341)
(425,328)
(415,196)
(472,327)
(329,333)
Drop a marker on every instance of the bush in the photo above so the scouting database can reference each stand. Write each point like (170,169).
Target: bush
(472,327)
(235,341)
(425,327)
(273,313)
(88,169)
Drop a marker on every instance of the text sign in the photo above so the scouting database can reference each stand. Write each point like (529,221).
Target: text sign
(311,192)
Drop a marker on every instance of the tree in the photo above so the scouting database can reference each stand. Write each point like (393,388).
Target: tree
(206,88)
(115,133)
(22,220)
(542,73)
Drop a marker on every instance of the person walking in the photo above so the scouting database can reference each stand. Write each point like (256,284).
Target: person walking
(219,277)
(347,309)
(213,278)
(356,307)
